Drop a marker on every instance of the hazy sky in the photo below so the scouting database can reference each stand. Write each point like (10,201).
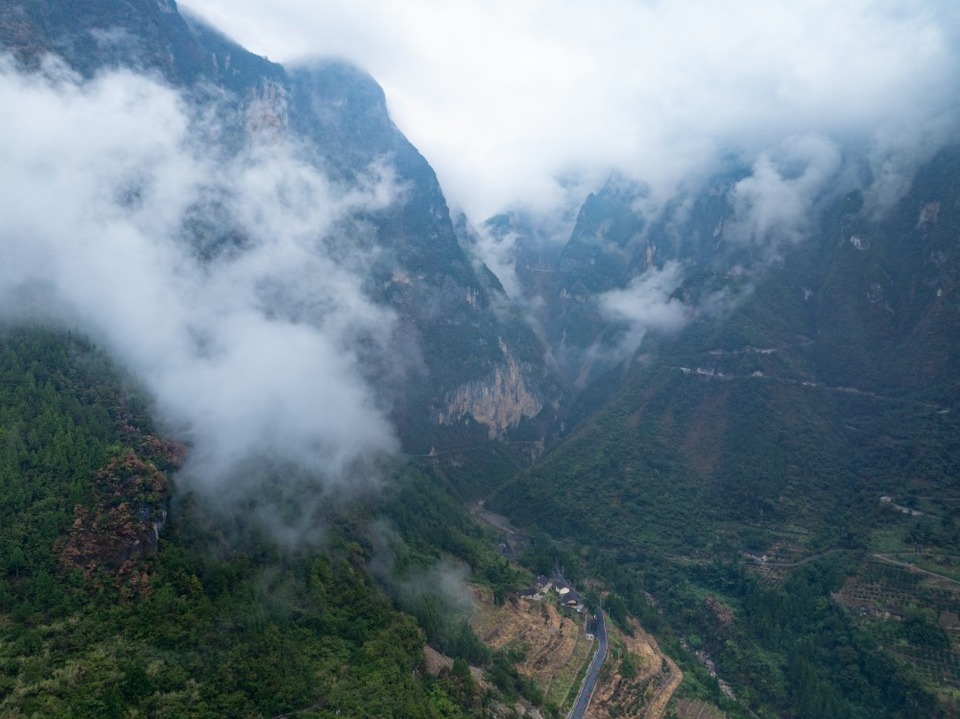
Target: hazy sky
(521,100)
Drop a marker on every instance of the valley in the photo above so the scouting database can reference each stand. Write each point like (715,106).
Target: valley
(285,433)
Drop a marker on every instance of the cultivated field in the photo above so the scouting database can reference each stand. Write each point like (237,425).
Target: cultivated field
(555,646)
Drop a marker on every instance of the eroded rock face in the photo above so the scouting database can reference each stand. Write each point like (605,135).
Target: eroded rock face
(498,402)
(124,522)
(265,111)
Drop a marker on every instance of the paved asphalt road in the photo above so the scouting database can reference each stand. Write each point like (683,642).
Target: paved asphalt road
(593,673)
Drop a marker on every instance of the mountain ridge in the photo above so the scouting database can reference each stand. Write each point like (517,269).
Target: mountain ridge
(713,409)
(338,113)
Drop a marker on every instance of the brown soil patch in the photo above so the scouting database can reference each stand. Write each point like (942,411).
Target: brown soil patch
(549,638)
(434,661)
(648,692)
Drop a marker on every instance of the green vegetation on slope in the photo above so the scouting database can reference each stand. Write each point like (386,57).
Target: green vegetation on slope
(95,624)
(736,478)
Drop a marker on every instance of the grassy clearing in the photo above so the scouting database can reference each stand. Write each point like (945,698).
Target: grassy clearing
(945,564)
(485,618)
(887,540)
(565,684)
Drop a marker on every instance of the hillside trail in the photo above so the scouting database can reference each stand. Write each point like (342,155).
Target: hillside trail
(799,562)
(497,521)
(913,569)
(712,373)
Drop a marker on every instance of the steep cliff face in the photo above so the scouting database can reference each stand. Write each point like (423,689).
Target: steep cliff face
(446,307)
(142,35)
(498,402)
(334,118)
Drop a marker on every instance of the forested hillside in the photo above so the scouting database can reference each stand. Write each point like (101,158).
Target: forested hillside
(102,618)
(774,446)
(315,431)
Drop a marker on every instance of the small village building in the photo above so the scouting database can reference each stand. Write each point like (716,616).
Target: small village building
(573,600)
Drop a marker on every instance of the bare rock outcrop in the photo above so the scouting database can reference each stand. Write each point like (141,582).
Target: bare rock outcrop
(498,402)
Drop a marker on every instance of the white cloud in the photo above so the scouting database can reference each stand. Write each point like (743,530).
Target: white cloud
(646,304)
(773,205)
(503,97)
(253,353)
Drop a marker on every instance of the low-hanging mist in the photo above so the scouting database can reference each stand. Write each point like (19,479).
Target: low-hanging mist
(517,103)
(252,347)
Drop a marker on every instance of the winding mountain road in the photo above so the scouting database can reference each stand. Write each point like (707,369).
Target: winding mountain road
(593,673)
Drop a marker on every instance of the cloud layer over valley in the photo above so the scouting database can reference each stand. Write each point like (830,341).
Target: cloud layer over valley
(530,106)
(216,279)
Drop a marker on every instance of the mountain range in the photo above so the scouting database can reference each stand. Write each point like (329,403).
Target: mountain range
(731,413)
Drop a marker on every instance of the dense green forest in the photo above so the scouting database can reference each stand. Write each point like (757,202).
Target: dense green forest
(103,616)
(681,551)
(99,618)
